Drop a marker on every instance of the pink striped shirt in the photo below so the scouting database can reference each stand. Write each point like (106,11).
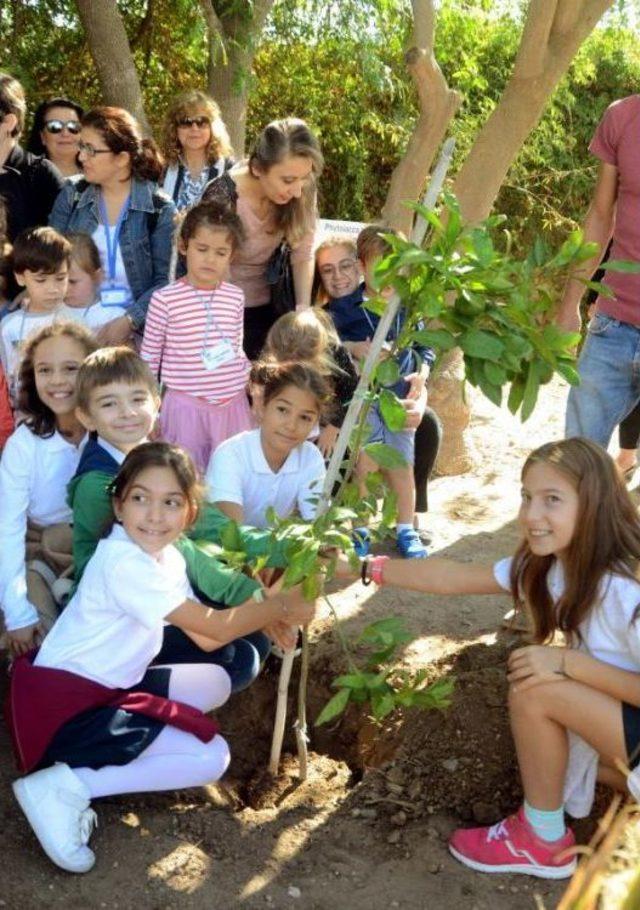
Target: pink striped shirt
(175,335)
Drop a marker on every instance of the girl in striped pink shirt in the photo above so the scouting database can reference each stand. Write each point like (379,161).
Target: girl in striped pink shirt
(193,338)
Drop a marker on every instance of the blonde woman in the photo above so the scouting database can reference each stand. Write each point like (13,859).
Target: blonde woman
(196,147)
(274,193)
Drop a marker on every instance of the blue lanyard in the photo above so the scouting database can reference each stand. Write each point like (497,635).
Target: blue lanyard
(112,240)
(208,305)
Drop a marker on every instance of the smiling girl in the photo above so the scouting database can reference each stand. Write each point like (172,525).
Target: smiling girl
(576,573)
(38,461)
(193,338)
(109,722)
(274,465)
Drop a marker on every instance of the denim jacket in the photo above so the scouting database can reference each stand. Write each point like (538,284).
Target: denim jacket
(145,255)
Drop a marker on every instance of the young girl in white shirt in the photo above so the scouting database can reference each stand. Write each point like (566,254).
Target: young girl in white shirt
(82,302)
(193,338)
(91,702)
(38,461)
(274,465)
(574,710)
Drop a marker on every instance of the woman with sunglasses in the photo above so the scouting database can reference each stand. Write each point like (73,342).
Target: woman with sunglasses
(196,147)
(117,201)
(54,134)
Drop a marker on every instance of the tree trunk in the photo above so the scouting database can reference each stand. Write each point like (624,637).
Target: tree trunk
(552,34)
(438,105)
(109,47)
(233,42)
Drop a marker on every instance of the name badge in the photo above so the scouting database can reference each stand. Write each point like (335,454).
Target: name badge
(115,296)
(220,353)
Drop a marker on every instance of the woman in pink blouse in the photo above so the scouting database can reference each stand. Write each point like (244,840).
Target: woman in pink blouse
(274,192)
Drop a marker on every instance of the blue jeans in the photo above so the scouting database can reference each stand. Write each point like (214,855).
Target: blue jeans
(609,389)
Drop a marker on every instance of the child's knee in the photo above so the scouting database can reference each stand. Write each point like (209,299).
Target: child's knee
(217,686)
(214,759)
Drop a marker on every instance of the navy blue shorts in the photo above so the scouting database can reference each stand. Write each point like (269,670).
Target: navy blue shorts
(631,727)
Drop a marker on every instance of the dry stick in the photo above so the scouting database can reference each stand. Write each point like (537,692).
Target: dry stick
(351,418)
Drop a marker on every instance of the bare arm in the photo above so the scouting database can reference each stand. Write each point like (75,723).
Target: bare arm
(302,282)
(598,227)
(232,510)
(223,626)
(441,576)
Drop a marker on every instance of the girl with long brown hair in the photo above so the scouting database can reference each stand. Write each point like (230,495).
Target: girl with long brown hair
(576,573)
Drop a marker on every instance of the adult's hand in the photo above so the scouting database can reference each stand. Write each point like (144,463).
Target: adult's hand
(118,331)
(20,641)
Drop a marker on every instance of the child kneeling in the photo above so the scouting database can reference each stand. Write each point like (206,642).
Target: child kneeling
(91,701)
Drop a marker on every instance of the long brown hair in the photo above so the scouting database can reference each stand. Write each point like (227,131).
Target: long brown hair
(305,335)
(606,539)
(195,103)
(277,140)
(275,375)
(39,418)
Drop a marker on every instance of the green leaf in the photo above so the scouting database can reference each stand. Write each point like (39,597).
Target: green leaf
(350,681)
(311,587)
(384,455)
(375,305)
(483,345)
(438,339)
(334,707)
(531,389)
(230,537)
(382,705)
(568,372)
(621,265)
(387,371)
(516,395)
(392,411)
(494,373)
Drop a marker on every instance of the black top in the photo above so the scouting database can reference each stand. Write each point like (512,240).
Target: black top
(29,185)
(344,381)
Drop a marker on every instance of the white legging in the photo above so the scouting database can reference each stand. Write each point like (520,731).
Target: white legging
(174,759)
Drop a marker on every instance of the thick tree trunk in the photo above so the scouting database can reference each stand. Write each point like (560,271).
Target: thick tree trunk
(109,47)
(552,35)
(233,42)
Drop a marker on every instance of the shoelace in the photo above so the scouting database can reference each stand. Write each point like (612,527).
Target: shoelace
(87,818)
(497,832)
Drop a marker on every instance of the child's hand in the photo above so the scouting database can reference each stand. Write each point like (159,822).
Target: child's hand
(535,664)
(360,349)
(415,409)
(416,385)
(284,635)
(118,331)
(327,439)
(20,641)
(297,611)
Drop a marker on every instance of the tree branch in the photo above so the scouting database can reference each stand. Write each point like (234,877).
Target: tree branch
(534,42)
(438,105)
(214,23)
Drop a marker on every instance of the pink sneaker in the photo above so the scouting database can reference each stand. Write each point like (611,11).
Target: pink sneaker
(512,846)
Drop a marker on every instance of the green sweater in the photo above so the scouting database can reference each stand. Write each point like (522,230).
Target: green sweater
(90,499)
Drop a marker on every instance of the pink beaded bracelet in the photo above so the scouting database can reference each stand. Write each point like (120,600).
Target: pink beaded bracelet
(375,568)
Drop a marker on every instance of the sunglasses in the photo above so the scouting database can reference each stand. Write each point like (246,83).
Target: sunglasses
(57,126)
(194,121)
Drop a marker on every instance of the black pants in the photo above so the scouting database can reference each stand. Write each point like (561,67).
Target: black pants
(629,430)
(428,439)
(257,322)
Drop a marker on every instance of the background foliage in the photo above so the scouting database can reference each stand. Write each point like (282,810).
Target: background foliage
(340,65)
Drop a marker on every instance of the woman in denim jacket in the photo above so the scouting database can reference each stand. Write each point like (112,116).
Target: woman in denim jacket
(117,201)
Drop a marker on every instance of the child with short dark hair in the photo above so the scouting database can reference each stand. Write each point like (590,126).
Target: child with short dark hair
(356,326)
(40,264)
(193,337)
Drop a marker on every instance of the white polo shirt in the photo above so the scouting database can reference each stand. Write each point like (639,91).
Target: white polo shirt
(238,472)
(112,627)
(34,473)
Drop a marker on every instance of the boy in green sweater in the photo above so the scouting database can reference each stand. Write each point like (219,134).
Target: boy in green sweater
(117,401)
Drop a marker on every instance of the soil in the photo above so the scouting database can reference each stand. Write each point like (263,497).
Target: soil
(368,829)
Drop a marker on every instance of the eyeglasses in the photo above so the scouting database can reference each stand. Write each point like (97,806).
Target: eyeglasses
(87,149)
(57,126)
(345,267)
(194,121)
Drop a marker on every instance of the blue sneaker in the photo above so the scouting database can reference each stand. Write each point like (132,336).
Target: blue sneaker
(361,542)
(409,544)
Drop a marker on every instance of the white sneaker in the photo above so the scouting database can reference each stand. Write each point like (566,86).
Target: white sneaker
(56,804)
